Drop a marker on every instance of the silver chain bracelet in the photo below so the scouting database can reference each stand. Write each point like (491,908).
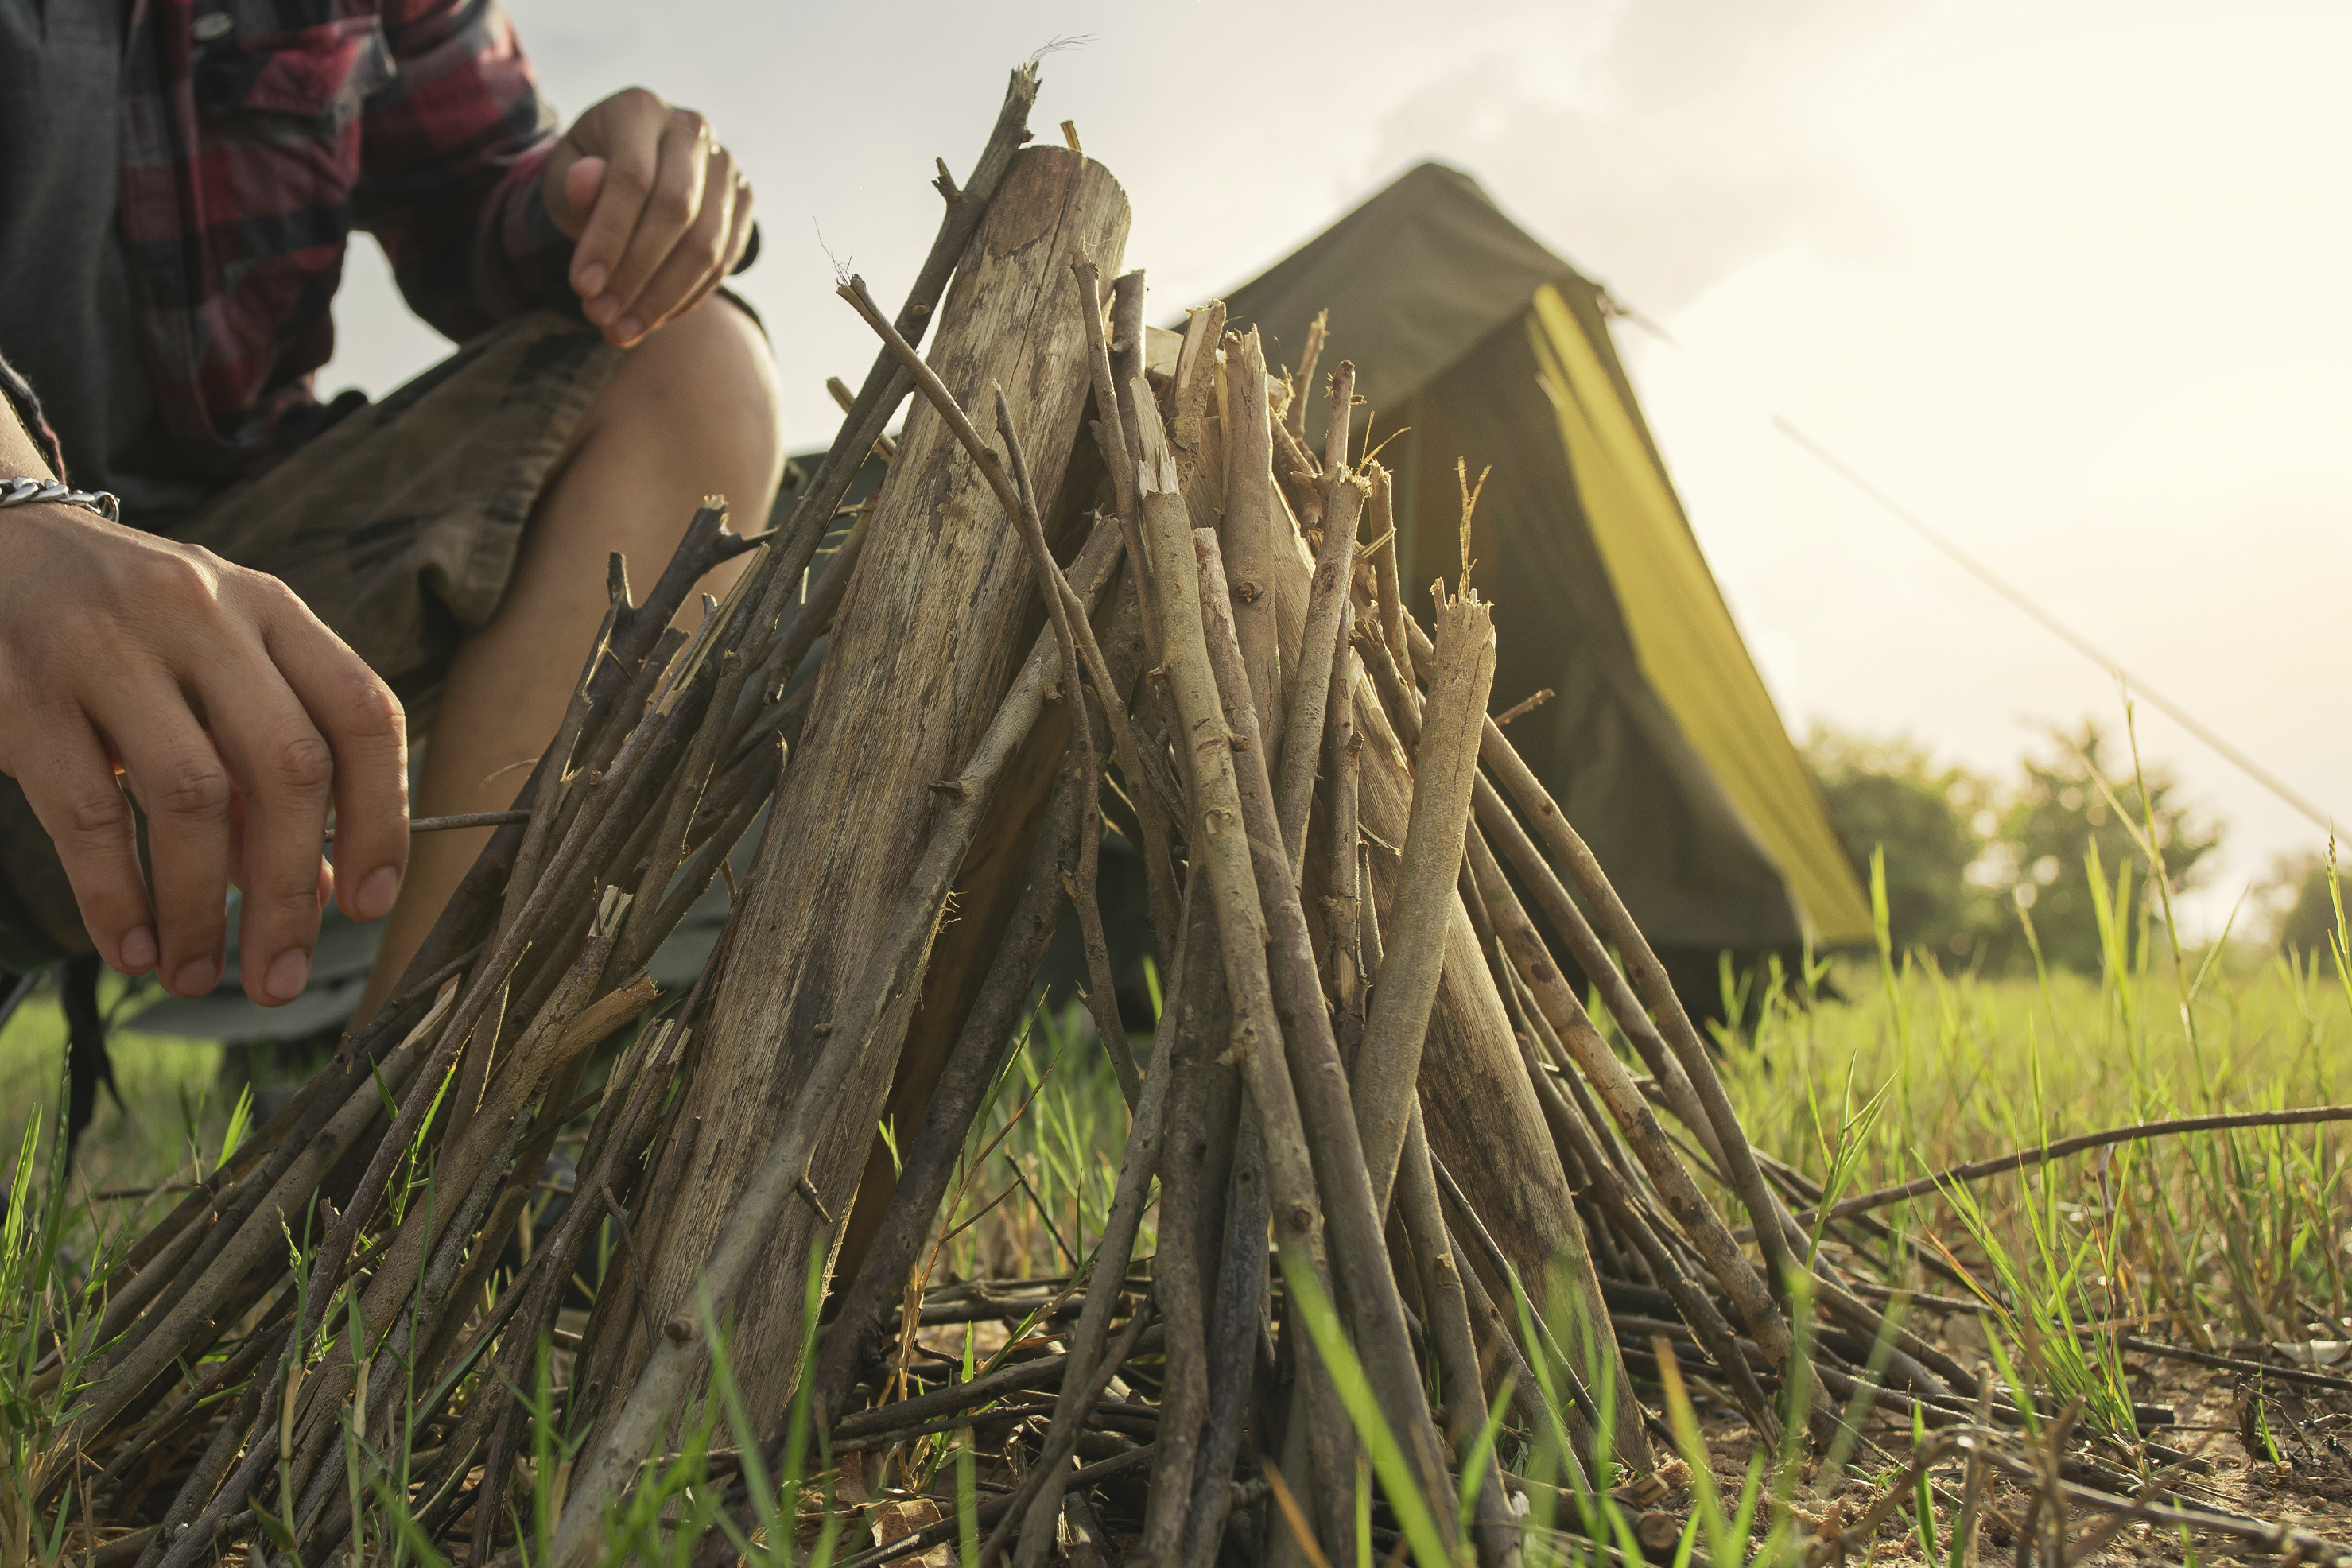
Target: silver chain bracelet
(30,492)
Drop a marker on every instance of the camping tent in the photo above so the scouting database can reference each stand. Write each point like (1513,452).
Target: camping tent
(1473,343)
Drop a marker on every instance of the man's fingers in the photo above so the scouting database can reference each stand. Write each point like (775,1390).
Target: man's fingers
(181,783)
(283,771)
(578,184)
(696,263)
(671,205)
(69,783)
(364,730)
(624,132)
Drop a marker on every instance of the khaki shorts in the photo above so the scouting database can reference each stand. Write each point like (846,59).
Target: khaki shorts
(398,525)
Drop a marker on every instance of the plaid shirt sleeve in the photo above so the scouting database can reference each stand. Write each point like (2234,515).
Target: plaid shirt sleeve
(453,151)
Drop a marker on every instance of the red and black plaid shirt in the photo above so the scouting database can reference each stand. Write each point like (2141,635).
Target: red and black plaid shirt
(256,134)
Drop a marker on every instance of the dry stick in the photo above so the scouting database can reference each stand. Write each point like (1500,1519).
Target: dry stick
(1526,1393)
(226,1374)
(838,390)
(1118,442)
(1921,1363)
(1525,705)
(395,1354)
(669,841)
(183,1246)
(1198,1005)
(1388,588)
(1047,1479)
(451,823)
(555,762)
(1423,900)
(863,1428)
(556,1259)
(1614,1084)
(593,837)
(1448,1318)
(1592,955)
(1221,850)
(190,1316)
(1104,1000)
(341,1134)
(1237,1327)
(1498,1334)
(1255,526)
(1126,357)
(703,869)
(1196,381)
(1696,1308)
(1240,1336)
(1343,910)
(1318,646)
(679,1356)
(1335,433)
(176,1525)
(1649,979)
(886,383)
(1300,475)
(995,1508)
(1303,381)
(564,1032)
(1111,425)
(1978,1170)
(811,620)
(259,1170)
(1351,1207)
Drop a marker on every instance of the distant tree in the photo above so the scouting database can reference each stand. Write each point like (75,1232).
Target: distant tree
(1932,821)
(2060,812)
(1965,857)
(2302,904)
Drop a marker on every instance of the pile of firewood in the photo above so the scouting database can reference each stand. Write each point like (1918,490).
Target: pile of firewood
(1095,589)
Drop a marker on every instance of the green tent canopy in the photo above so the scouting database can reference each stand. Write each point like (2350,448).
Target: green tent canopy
(1486,350)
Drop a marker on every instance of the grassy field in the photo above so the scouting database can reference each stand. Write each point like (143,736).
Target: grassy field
(1857,1075)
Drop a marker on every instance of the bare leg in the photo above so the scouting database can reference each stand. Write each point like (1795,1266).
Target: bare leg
(691,412)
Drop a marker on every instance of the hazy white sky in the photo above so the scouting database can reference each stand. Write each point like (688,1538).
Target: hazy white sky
(2068,280)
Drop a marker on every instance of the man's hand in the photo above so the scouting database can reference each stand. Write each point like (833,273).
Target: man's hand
(658,207)
(233,715)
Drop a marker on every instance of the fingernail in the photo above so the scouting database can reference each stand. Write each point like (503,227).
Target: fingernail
(196,977)
(592,280)
(375,899)
(627,329)
(286,977)
(139,952)
(601,309)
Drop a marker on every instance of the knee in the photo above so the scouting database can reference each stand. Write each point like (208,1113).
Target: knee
(702,391)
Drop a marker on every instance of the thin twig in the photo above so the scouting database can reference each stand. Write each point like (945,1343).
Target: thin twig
(2023,1159)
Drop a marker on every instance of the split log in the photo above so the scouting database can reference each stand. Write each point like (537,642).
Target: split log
(922,653)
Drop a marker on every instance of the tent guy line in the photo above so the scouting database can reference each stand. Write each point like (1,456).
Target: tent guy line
(2051,623)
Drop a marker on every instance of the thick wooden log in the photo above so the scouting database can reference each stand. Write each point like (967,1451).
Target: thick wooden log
(923,651)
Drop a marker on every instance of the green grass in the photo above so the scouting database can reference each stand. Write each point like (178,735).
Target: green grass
(1858,1074)
(2237,1233)
(172,1095)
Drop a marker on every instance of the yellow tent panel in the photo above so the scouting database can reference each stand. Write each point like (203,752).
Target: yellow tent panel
(1682,631)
